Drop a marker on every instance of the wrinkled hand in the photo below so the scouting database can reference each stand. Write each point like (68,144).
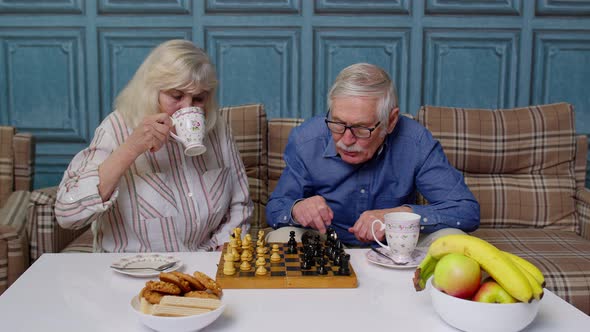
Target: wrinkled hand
(313,212)
(151,134)
(362,227)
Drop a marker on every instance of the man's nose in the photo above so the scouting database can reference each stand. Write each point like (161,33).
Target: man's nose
(348,137)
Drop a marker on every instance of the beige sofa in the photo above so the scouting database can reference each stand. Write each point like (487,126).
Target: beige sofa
(528,160)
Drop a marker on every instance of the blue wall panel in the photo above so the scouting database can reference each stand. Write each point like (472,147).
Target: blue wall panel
(62,62)
(470,68)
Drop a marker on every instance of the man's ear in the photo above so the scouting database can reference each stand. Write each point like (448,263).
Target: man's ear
(393,117)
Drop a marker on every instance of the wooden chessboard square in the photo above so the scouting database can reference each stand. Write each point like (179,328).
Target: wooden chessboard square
(291,260)
(247,274)
(293,268)
(277,273)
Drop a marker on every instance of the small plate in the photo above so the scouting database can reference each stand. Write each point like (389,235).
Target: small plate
(145,260)
(417,257)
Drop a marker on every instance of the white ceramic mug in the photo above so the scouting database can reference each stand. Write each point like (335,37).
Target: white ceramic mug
(190,129)
(401,231)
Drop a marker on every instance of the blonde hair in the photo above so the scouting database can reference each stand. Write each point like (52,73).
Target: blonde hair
(364,79)
(175,64)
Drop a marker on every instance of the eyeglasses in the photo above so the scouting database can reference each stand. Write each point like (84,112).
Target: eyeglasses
(357,131)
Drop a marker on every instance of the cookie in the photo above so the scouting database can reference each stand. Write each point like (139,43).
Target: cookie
(209,283)
(163,287)
(201,295)
(193,282)
(175,279)
(151,296)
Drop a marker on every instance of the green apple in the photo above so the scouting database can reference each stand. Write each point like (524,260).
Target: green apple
(457,275)
(491,292)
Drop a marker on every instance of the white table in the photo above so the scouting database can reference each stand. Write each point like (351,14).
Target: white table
(79,292)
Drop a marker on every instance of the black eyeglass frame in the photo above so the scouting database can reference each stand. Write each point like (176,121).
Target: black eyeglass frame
(351,128)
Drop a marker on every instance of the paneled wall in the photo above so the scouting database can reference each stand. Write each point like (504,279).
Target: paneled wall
(62,62)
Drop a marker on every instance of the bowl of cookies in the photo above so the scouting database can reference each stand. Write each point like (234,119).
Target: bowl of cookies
(178,302)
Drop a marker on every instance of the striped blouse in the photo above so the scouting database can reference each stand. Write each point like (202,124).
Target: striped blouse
(165,202)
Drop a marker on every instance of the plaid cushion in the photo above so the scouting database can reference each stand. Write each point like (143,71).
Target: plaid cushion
(45,234)
(563,257)
(14,247)
(248,126)
(6,163)
(278,135)
(583,209)
(580,166)
(518,163)
(24,150)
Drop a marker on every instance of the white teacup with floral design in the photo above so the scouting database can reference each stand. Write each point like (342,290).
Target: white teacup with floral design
(190,129)
(402,230)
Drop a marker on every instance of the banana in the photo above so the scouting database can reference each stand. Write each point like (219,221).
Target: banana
(535,286)
(490,258)
(528,266)
(424,271)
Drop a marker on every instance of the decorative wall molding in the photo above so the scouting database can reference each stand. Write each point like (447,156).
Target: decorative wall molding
(562,7)
(470,68)
(253,6)
(362,7)
(41,6)
(474,7)
(156,7)
(44,79)
(122,51)
(558,75)
(337,48)
(257,65)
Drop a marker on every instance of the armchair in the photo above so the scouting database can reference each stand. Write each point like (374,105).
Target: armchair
(16,171)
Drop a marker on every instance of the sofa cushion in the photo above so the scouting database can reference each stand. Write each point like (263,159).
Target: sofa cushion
(6,163)
(248,126)
(278,135)
(518,163)
(563,257)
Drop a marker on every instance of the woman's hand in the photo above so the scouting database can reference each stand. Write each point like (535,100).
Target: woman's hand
(150,134)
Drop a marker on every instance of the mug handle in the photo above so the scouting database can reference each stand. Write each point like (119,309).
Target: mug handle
(176,137)
(373,231)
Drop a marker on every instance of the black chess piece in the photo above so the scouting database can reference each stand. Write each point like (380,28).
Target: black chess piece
(331,235)
(322,266)
(292,244)
(344,269)
(338,258)
(306,238)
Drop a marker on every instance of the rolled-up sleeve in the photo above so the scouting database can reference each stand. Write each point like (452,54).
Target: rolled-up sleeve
(78,201)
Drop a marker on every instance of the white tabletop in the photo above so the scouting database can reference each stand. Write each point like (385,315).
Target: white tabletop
(79,292)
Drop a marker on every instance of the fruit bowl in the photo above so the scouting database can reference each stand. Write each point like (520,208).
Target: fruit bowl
(474,316)
(175,324)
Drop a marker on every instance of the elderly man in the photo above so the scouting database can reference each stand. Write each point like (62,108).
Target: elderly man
(364,160)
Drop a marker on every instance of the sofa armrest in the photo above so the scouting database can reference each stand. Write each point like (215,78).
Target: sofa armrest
(45,234)
(583,210)
(14,247)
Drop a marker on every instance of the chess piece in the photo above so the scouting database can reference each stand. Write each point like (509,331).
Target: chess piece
(260,260)
(228,265)
(344,269)
(260,250)
(260,240)
(322,266)
(245,266)
(261,270)
(236,254)
(292,243)
(275,257)
(246,255)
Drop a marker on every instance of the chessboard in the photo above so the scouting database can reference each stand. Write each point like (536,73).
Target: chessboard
(288,272)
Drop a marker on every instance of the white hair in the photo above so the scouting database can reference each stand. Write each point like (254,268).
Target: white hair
(175,64)
(364,79)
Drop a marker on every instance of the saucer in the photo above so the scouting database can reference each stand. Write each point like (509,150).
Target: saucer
(145,260)
(417,257)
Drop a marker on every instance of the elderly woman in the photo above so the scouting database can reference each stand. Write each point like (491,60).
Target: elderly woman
(135,185)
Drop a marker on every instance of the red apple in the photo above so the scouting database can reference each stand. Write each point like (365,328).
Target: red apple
(491,292)
(457,275)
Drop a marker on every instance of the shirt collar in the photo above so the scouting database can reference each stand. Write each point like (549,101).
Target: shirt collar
(330,150)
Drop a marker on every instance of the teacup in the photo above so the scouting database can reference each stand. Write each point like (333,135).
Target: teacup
(190,129)
(402,230)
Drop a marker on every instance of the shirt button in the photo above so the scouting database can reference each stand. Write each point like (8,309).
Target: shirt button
(190,194)
(458,223)
(70,199)
(421,227)
(425,219)
(362,191)
(285,218)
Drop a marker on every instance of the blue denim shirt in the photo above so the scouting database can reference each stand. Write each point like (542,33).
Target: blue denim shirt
(410,160)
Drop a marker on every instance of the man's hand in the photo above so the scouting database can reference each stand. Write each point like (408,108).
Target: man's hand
(150,134)
(362,227)
(313,212)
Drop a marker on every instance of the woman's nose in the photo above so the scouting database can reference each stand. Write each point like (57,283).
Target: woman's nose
(186,102)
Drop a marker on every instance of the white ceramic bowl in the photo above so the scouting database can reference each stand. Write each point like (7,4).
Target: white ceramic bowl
(175,324)
(474,316)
